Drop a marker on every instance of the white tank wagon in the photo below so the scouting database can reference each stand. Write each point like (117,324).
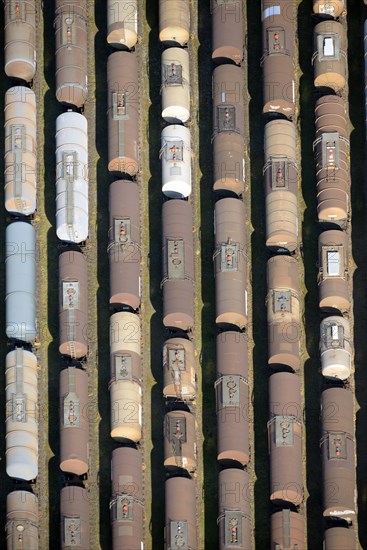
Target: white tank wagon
(122,23)
(176,161)
(20,39)
(335,348)
(21,415)
(174,21)
(20,298)
(22,521)
(71,177)
(126,374)
(175,89)
(20,151)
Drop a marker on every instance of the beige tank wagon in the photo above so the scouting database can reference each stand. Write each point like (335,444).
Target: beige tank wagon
(179,369)
(174,21)
(175,88)
(122,23)
(330,55)
(229,163)
(20,39)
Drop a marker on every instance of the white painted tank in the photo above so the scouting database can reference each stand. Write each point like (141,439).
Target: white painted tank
(122,23)
(335,347)
(72,177)
(124,332)
(176,161)
(175,88)
(20,298)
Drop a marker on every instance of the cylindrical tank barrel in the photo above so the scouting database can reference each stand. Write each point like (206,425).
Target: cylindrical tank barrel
(20,151)
(22,521)
(331,115)
(175,89)
(126,472)
(74,421)
(180,522)
(179,369)
(234,509)
(180,441)
(227,31)
(73,304)
(20,39)
(229,163)
(329,58)
(337,411)
(74,512)
(174,21)
(333,271)
(287,530)
(71,42)
(176,161)
(124,244)
(335,348)
(178,264)
(123,113)
(280,140)
(285,439)
(340,538)
(230,262)
(228,100)
(20,299)
(232,353)
(122,23)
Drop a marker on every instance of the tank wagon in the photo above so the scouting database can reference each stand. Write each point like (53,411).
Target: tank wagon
(332,8)
(285,439)
(72,177)
(124,244)
(227,31)
(228,96)
(340,538)
(74,421)
(179,369)
(335,348)
(287,531)
(281,186)
(180,441)
(20,298)
(180,522)
(22,521)
(20,151)
(174,21)
(123,113)
(175,89)
(71,42)
(175,156)
(126,374)
(229,163)
(278,28)
(178,265)
(333,271)
(230,262)
(338,453)
(20,39)
(21,415)
(234,509)
(330,55)
(283,313)
(122,23)
(74,512)
(73,304)
(332,160)
(126,503)
(232,398)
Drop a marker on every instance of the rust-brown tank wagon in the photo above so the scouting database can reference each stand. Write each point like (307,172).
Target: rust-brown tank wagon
(71,26)
(126,374)
(73,304)
(174,21)
(287,531)
(335,348)
(230,262)
(179,369)
(333,271)
(74,421)
(232,354)
(123,113)
(22,521)
(122,23)
(74,512)
(234,509)
(126,503)
(175,88)
(229,163)
(227,31)
(20,150)
(340,538)
(278,26)
(228,100)
(178,265)
(180,518)
(283,312)
(20,39)
(180,441)
(332,8)
(124,244)
(330,55)
(285,439)
(338,453)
